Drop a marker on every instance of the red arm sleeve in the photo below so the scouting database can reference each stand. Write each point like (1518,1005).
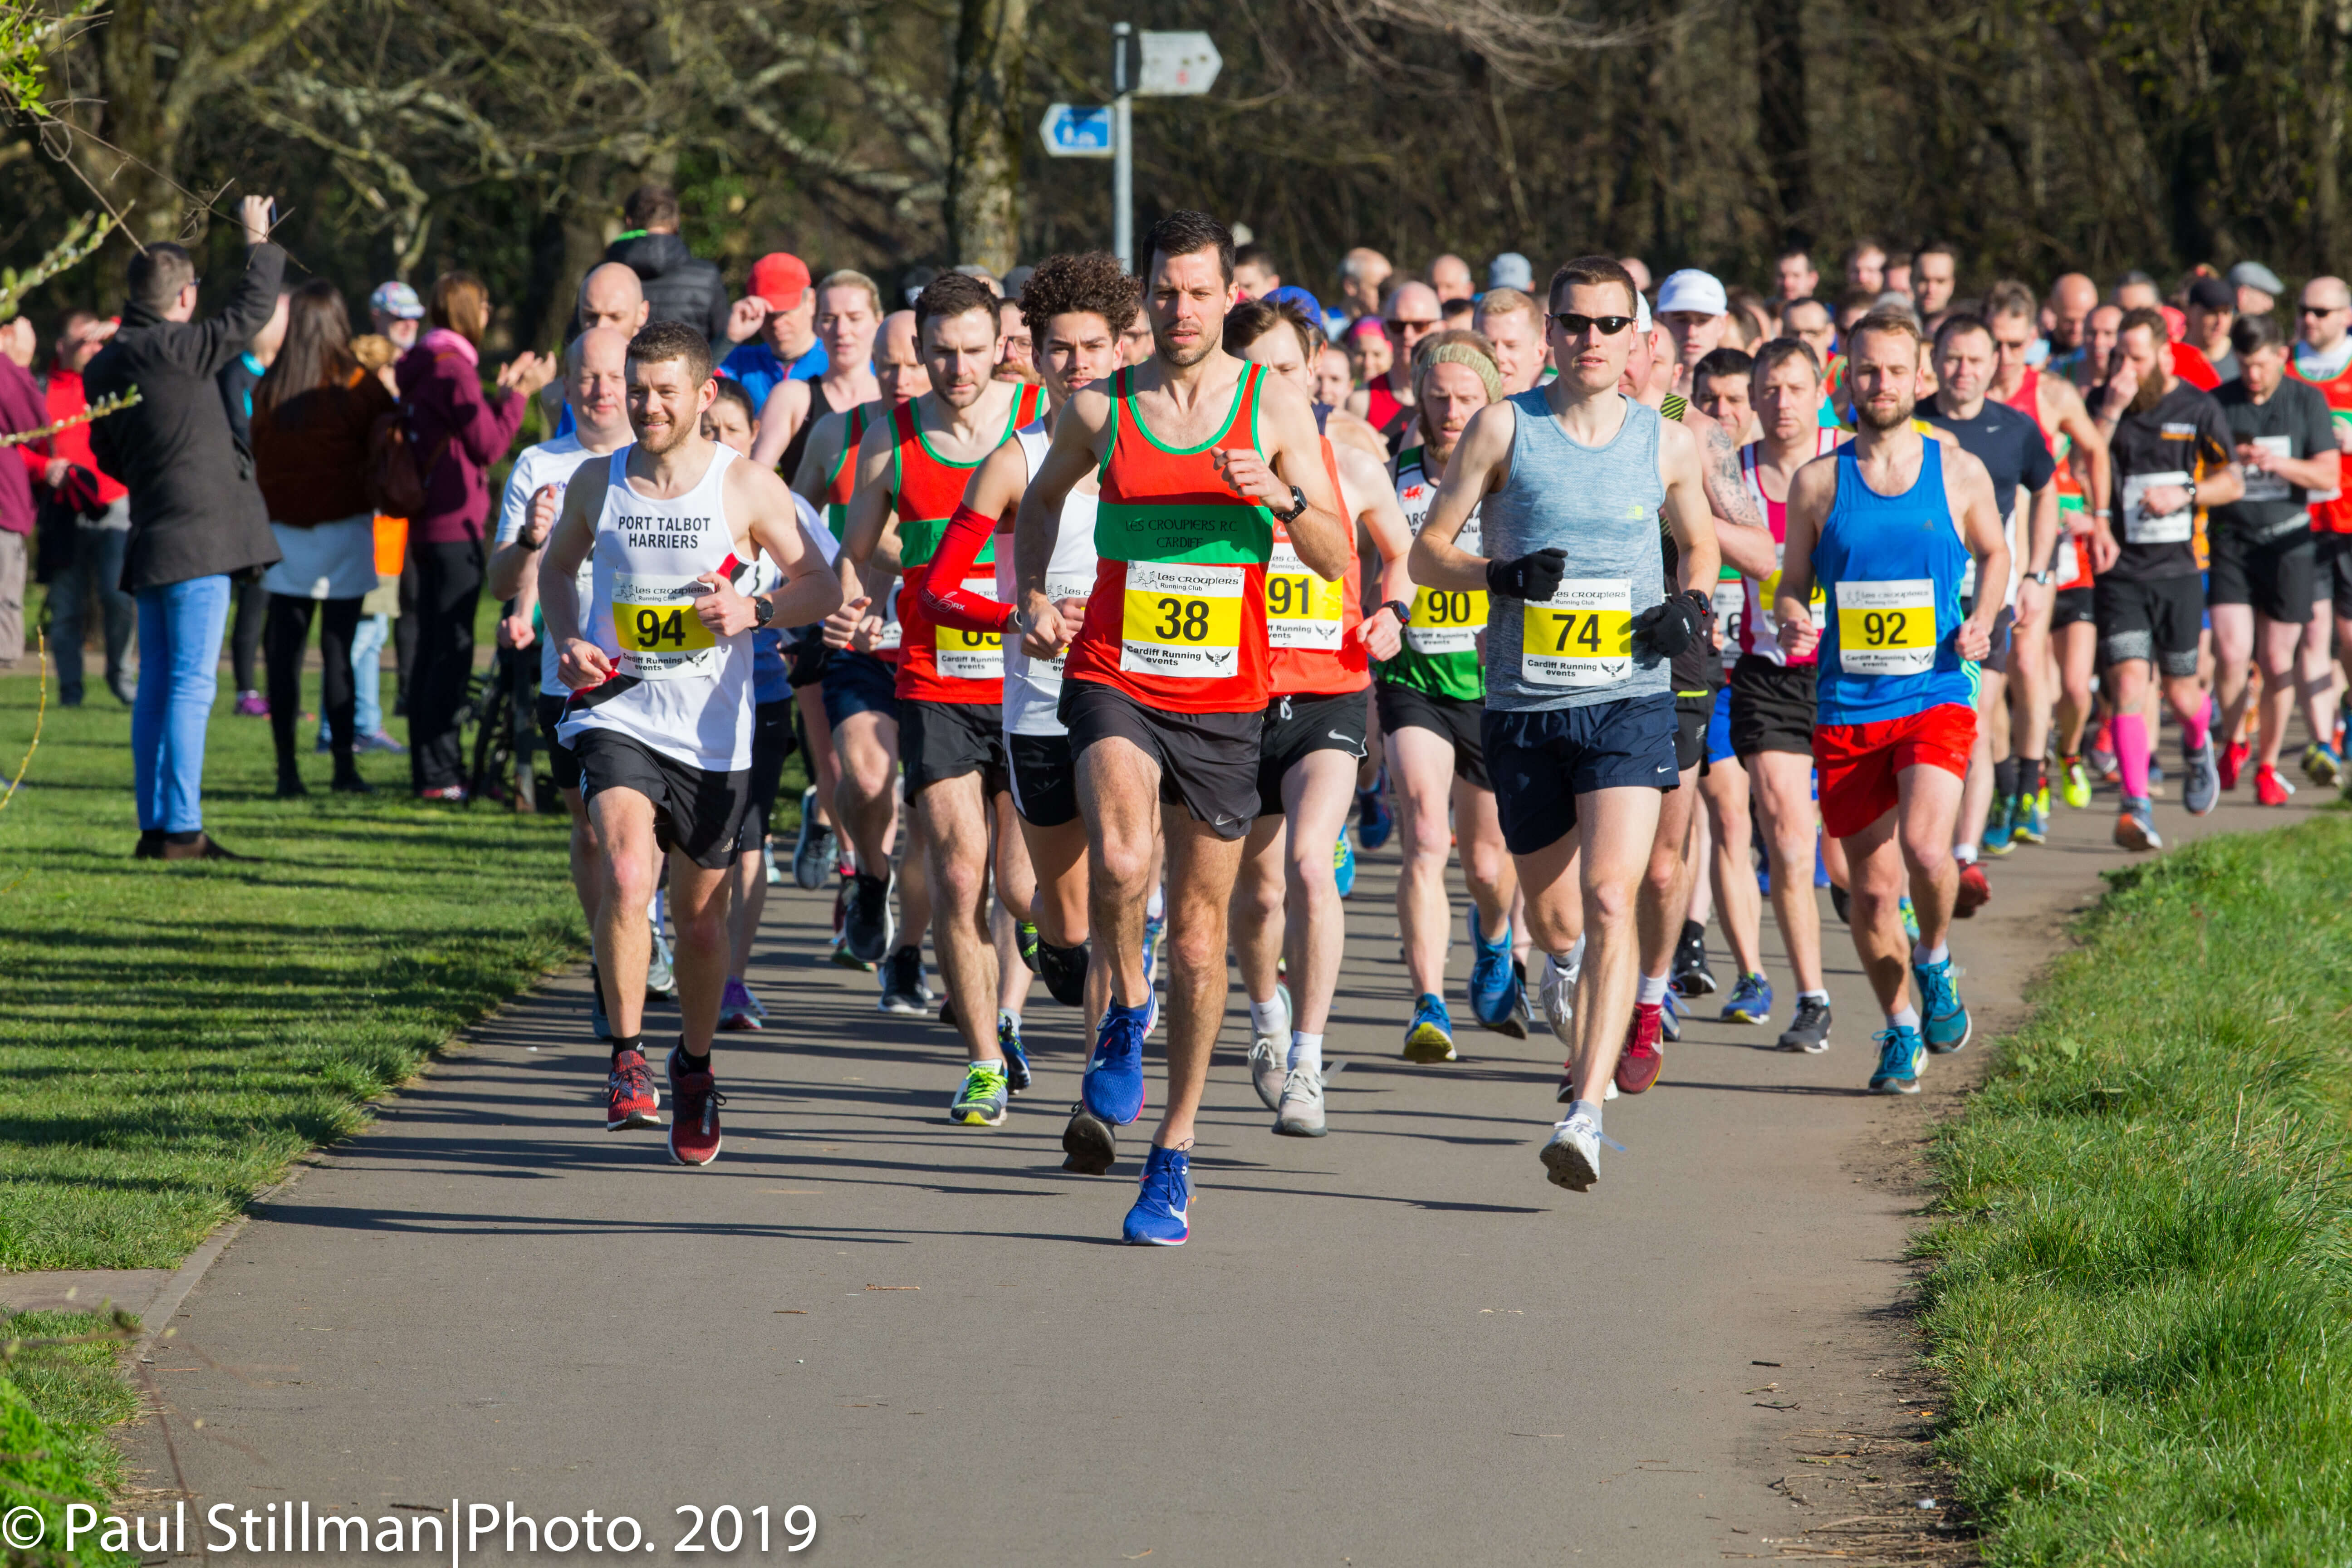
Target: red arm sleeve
(944,600)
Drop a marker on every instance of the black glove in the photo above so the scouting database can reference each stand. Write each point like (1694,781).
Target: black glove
(1677,623)
(1531,577)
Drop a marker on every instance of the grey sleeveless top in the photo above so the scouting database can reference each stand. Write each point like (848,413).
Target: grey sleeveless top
(1600,505)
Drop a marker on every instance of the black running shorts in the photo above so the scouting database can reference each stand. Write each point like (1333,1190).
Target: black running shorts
(696,814)
(1409,708)
(771,742)
(2156,621)
(2072,607)
(942,741)
(1044,778)
(1296,728)
(2275,575)
(2332,573)
(1772,707)
(1207,761)
(566,763)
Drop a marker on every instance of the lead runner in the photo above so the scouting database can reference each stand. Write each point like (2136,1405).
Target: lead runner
(1164,689)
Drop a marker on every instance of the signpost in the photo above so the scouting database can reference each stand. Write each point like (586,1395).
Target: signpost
(1148,64)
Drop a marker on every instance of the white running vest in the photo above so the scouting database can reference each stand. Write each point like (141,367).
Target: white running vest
(678,689)
(1033,688)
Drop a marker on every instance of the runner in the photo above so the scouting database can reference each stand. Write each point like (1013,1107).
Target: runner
(1888,524)
(911,474)
(1165,701)
(2323,356)
(1672,941)
(2264,552)
(1695,311)
(1412,313)
(2066,633)
(1509,321)
(1770,724)
(1286,895)
(1580,729)
(1724,390)
(2172,454)
(2010,446)
(1431,698)
(2067,316)
(848,316)
(595,387)
(1935,279)
(858,694)
(660,716)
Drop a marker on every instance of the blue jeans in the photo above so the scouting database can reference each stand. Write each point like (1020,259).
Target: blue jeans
(367,678)
(180,627)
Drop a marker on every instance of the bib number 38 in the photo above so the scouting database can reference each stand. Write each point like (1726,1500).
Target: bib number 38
(1184,623)
(1581,637)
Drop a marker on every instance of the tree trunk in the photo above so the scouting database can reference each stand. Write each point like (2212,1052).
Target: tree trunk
(983,194)
(2326,157)
(1781,132)
(132,164)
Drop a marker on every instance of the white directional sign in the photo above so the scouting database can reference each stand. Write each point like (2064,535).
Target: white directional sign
(1075,131)
(1177,65)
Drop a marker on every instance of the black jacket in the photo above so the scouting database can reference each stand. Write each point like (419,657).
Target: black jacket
(680,287)
(195,508)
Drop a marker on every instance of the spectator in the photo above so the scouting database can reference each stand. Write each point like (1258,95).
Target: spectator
(19,343)
(784,346)
(1254,273)
(2258,288)
(237,381)
(678,285)
(312,417)
(1511,270)
(196,515)
(457,434)
(1363,276)
(380,609)
(100,510)
(396,310)
(1450,276)
(21,468)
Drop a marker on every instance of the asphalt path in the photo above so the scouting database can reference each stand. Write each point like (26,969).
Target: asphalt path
(1398,1344)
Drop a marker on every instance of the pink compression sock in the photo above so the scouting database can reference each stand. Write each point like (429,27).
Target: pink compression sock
(2195,731)
(2131,754)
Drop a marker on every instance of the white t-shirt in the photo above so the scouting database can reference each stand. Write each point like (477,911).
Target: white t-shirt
(549,463)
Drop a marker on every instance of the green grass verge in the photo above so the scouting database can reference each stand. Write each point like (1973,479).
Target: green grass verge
(175,1034)
(2142,1303)
(55,1405)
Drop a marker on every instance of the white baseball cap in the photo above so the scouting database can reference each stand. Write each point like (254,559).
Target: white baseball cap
(1691,290)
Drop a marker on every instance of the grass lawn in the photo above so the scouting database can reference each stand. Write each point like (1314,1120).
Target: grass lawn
(2142,1300)
(175,1034)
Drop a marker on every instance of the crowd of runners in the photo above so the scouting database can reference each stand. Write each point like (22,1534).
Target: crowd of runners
(1099,605)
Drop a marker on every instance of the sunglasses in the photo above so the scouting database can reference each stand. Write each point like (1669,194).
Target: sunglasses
(2324,310)
(1577,326)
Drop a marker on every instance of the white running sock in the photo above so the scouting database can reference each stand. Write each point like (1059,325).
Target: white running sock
(1651,991)
(1965,854)
(1306,1051)
(1007,1015)
(1907,1018)
(1922,953)
(1587,1107)
(1820,996)
(1155,906)
(1575,964)
(1264,1016)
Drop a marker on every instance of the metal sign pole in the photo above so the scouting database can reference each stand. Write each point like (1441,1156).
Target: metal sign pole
(1122,133)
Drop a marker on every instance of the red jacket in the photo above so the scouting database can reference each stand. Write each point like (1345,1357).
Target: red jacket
(457,430)
(65,400)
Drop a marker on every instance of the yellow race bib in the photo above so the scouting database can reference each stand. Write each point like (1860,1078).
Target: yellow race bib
(1446,620)
(1302,610)
(1184,623)
(660,635)
(1582,636)
(967,655)
(1888,628)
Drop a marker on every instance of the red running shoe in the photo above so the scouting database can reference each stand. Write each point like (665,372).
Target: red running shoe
(1638,1063)
(1976,892)
(636,1102)
(2269,788)
(2233,762)
(694,1123)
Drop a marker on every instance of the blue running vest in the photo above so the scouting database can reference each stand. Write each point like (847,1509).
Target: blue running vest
(1891,567)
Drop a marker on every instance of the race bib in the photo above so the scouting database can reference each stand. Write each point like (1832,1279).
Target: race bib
(1302,611)
(1730,604)
(2171,528)
(660,637)
(1446,620)
(2261,486)
(968,655)
(1888,628)
(1058,589)
(1580,638)
(1183,623)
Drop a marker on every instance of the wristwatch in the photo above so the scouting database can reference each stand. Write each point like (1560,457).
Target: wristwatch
(2045,576)
(1403,611)
(1298,505)
(763,610)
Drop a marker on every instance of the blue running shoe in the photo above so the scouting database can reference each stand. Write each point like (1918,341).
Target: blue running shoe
(1152,932)
(1899,1062)
(1997,829)
(1016,1056)
(1112,1088)
(1343,864)
(1910,918)
(1820,864)
(1670,1020)
(1430,1037)
(1943,1019)
(1751,1001)
(1494,984)
(1162,1215)
(1373,821)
